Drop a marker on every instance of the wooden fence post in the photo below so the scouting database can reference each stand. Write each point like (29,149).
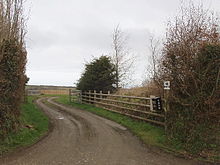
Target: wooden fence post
(167,106)
(89,96)
(100,95)
(70,99)
(80,96)
(151,103)
(95,95)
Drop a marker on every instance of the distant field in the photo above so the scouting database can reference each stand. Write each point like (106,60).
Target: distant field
(55,92)
(48,90)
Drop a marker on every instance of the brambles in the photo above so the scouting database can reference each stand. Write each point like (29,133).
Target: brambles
(191,62)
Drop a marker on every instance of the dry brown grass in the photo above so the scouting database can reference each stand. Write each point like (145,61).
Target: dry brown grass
(144,91)
(55,92)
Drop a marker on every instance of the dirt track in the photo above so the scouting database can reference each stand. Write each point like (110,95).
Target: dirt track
(79,137)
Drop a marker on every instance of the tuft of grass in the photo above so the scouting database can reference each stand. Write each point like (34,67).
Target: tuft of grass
(34,125)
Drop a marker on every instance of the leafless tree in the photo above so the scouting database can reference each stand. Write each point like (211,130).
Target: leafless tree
(152,81)
(154,48)
(121,57)
(12,20)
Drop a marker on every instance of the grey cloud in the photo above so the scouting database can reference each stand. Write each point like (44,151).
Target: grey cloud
(62,35)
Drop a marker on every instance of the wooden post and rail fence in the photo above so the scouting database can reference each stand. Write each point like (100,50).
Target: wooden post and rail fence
(75,96)
(147,109)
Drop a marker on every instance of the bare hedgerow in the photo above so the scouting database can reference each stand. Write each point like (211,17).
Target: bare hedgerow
(191,61)
(12,64)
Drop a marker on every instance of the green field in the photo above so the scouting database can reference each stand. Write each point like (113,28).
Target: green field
(34,125)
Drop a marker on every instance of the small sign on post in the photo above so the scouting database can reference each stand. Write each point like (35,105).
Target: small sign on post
(157,103)
(166,85)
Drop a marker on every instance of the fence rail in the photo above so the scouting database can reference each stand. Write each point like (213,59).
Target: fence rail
(75,95)
(141,108)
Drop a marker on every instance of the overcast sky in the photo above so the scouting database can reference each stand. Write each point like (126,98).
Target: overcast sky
(65,34)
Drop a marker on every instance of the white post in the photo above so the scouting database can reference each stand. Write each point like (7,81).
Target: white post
(94,95)
(100,95)
(151,103)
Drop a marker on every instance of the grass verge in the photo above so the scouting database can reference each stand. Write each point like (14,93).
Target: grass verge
(34,123)
(150,134)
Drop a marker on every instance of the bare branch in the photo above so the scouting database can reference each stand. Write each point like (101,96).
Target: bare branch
(121,57)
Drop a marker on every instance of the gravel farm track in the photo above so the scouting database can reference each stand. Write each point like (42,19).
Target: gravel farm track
(78,137)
